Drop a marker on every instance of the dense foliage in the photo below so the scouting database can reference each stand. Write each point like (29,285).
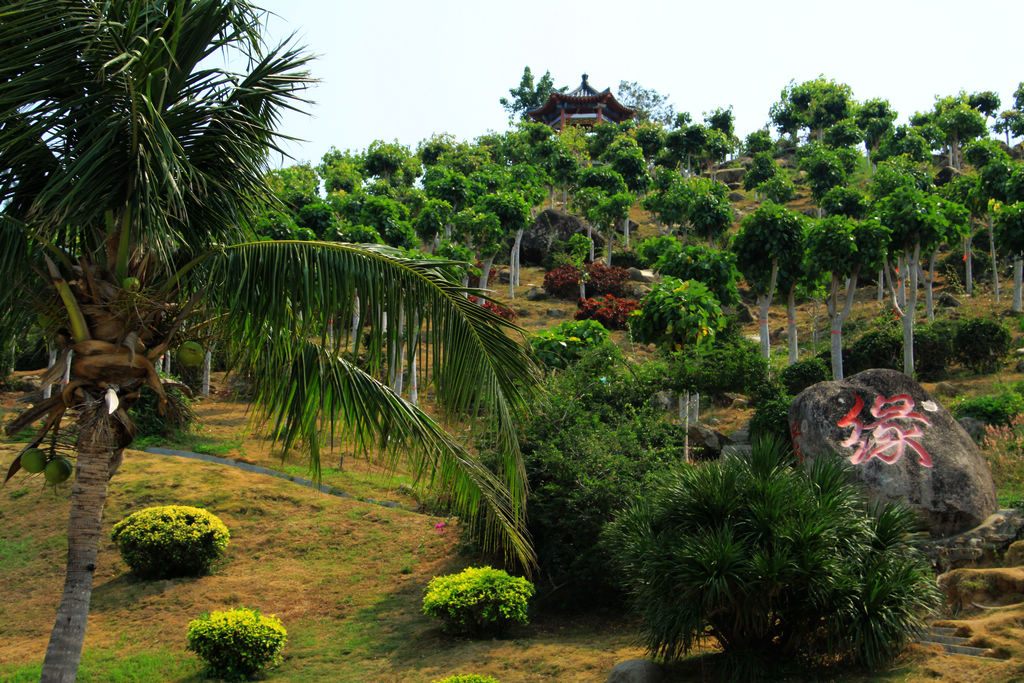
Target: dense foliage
(565,343)
(610,311)
(677,315)
(776,564)
(478,601)
(238,643)
(170,541)
(981,344)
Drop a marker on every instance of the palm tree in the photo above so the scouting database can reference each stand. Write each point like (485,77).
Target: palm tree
(129,165)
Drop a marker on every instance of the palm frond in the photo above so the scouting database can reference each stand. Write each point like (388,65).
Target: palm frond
(277,298)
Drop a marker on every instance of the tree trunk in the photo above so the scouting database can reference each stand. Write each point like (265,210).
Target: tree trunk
(881,283)
(88,495)
(908,315)
(611,243)
(763,301)
(1018,266)
(836,320)
(51,360)
(167,363)
(929,288)
(995,263)
(794,350)
(207,362)
(625,229)
(485,275)
(968,263)
(901,281)
(513,264)
(590,236)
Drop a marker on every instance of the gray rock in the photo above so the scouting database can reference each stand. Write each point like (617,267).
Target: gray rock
(945,175)
(730,175)
(947,300)
(741,435)
(551,225)
(975,428)
(707,438)
(556,313)
(737,196)
(1014,555)
(904,446)
(1020,365)
(664,399)
(636,671)
(537,294)
(946,389)
(740,312)
(984,544)
(637,275)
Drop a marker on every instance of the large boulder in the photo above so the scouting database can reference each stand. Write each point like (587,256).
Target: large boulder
(903,445)
(551,225)
(730,175)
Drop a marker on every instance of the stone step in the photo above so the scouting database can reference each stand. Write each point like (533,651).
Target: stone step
(942,630)
(945,640)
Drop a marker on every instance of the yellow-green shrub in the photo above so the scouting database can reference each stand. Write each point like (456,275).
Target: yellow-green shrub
(478,600)
(238,643)
(170,541)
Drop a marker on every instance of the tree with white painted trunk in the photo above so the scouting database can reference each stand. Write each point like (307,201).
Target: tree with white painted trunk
(843,248)
(1009,229)
(917,223)
(769,236)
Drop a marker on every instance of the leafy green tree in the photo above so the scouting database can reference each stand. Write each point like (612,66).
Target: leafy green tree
(986,102)
(814,105)
(759,141)
(433,148)
(843,247)
(626,158)
(903,141)
(917,222)
(875,118)
(528,96)
(434,216)
(677,315)
(513,216)
(341,171)
(597,184)
(651,138)
(715,268)
(768,241)
(669,200)
(650,105)
(1009,226)
(709,210)
(778,189)
(960,123)
(845,201)
(845,133)
(824,169)
(761,169)
(162,156)
(295,186)
(391,162)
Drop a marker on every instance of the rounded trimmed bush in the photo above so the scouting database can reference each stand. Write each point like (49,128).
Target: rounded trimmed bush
(478,600)
(981,343)
(237,643)
(802,374)
(170,541)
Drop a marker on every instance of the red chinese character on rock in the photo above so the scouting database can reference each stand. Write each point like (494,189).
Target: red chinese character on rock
(887,438)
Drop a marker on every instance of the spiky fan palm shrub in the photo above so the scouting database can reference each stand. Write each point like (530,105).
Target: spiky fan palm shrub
(775,564)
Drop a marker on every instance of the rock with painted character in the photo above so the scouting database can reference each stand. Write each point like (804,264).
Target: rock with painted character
(901,443)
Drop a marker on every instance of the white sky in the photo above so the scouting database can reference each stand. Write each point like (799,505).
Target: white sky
(405,69)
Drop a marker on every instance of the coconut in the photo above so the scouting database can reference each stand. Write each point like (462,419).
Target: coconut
(33,460)
(190,354)
(58,470)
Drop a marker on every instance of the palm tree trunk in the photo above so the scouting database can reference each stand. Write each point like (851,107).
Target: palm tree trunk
(51,356)
(207,362)
(88,496)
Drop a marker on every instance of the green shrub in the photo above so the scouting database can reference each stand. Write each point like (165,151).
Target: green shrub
(238,643)
(731,363)
(804,373)
(676,315)
(650,250)
(980,344)
(933,349)
(478,600)
(994,409)
(170,541)
(771,417)
(714,268)
(878,348)
(467,678)
(178,414)
(778,564)
(565,343)
(593,442)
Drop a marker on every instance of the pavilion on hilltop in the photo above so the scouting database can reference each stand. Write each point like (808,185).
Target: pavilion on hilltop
(584,106)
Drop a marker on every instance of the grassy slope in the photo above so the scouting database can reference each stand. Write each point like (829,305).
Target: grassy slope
(345,577)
